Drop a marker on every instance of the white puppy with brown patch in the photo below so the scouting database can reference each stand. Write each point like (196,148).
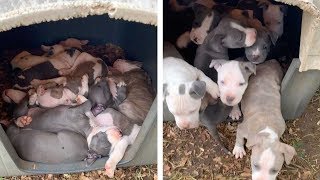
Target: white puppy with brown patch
(184,87)
(263,123)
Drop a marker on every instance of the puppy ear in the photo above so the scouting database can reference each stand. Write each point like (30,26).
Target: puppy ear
(273,36)
(288,152)
(217,63)
(45,48)
(248,67)
(284,9)
(198,89)
(264,5)
(84,42)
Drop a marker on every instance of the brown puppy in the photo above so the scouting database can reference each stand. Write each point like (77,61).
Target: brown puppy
(140,94)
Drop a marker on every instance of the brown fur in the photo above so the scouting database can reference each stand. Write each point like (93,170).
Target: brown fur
(140,94)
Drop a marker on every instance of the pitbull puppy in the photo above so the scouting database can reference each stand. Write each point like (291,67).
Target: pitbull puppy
(206,19)
(273,16)
(47,70)
(228,34)
(72,42)
(101,96)
(56,96)
(71,78)
(110,117)
(140,94)
(13,95)
(26,60)
(184,87)
(258,52)
(232,81)
(66,118)
(62,147)
(263,127)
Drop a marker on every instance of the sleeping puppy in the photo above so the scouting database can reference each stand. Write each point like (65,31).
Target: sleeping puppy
(139,94)
(263,124)
(184,88)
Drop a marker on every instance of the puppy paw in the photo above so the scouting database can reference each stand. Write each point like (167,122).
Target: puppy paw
(110,168)
(23,121)
(32,97)
(235,114)
(238,152)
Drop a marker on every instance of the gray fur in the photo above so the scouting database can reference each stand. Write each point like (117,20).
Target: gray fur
(198,89)
(182,89)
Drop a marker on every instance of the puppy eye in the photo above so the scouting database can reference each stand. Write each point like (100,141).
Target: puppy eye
(264,47)
(256,166)
(241,84)
(278,22)
(222,82)
(192,111)
(273,171)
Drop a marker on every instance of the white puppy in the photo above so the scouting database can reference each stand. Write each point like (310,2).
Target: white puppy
(184,87)
(232,80)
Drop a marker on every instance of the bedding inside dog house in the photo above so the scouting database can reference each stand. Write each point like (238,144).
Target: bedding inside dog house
(302,78)
(128,25)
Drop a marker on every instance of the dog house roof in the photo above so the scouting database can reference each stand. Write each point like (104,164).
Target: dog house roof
(15,13)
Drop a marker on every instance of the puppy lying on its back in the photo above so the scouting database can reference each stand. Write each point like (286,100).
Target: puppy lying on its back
(184,87)
(263,123)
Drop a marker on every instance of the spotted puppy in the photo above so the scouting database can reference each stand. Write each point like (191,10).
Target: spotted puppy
(184,87)
(263,123)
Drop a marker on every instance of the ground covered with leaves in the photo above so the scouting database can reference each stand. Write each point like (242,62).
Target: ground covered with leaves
(137,173)
(193,154)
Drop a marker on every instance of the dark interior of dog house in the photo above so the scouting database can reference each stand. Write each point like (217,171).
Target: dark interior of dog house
(109,39)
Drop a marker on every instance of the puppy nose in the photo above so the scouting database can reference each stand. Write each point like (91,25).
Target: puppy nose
(255,57)
(184,125)
(229,99)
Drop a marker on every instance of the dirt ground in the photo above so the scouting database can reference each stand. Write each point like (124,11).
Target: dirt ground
(193,154)
(137,173)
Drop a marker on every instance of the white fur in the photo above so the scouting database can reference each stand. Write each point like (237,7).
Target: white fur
(235,113)
(266,163)
(184,108)
(272,135)
(231,75)
(201,32)
(238,151)
(250,33)
(256,52)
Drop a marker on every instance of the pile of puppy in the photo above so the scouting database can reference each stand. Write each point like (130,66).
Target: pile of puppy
(70,106)
(253,79)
